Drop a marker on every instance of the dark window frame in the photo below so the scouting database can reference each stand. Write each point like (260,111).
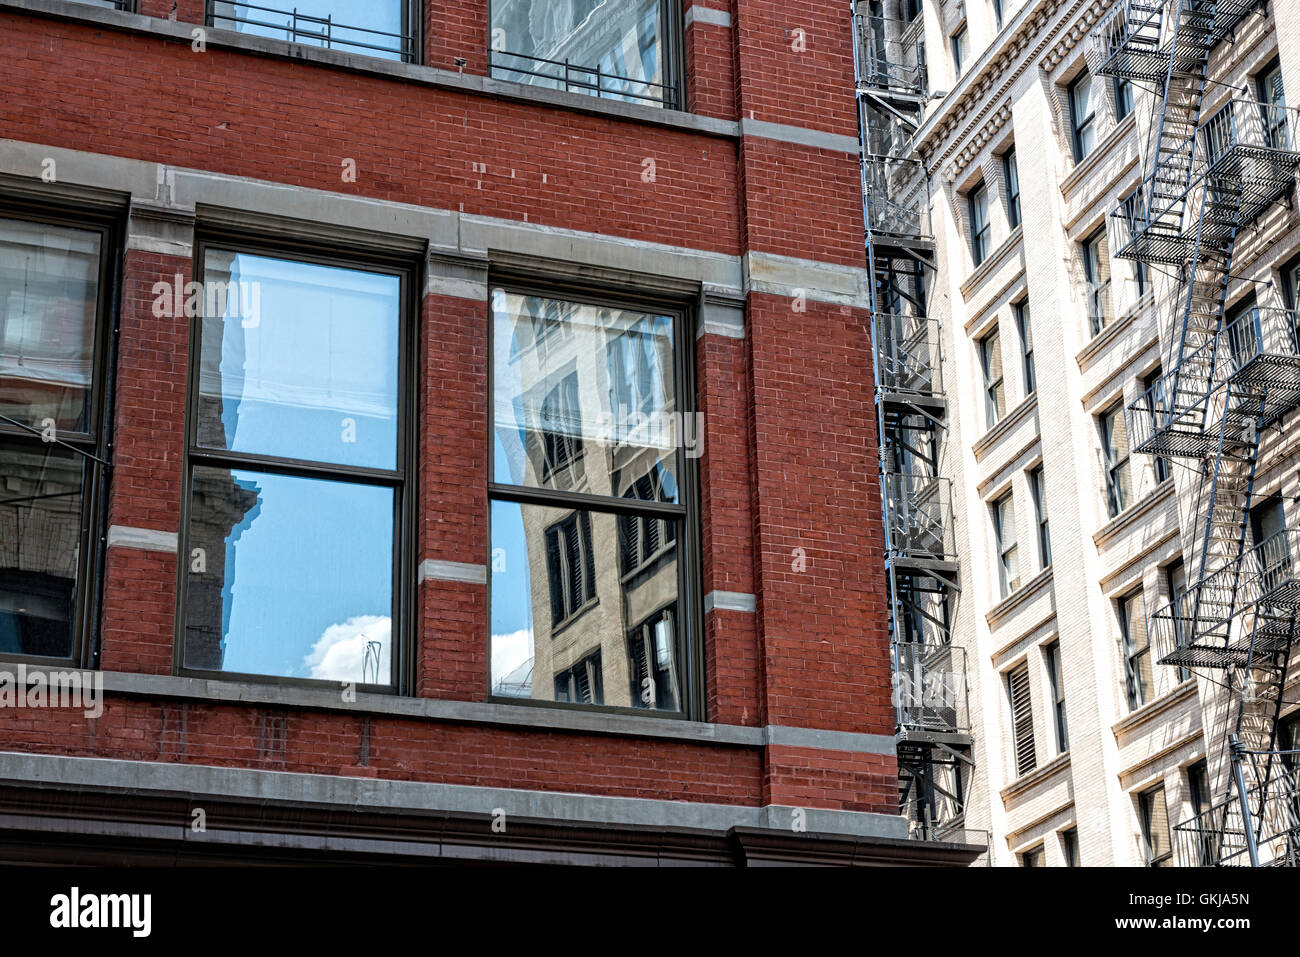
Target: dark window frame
(1056,681)
(1024,320)
(1146,814)
(689,649)
(1175,599)
(1122,88)
(994,410)
(1011,174)
(1116,502)
(672,23)
(1137,694)
(1081,125)
(958,42)
(1007,585)
(107,222)
(402,478)
(1095,251)
(1070,847)
(1038,489)
(1159,464)
(980,228)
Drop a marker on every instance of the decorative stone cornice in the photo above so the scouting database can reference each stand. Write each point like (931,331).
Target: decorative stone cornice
(978,108)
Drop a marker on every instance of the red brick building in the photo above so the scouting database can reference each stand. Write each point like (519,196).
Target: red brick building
(514,495)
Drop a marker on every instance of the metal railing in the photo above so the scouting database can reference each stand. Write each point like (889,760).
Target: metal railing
(918,517)
(1217,836)
(312,30)
(908,360)
(1126,42)
(891,55)
(887,218)
(930,688)
(580,78)
(1246,124)
(1270,573)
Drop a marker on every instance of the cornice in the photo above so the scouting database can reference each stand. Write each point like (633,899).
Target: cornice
(1033,42)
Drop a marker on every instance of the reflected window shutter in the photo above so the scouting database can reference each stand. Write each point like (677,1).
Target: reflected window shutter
(574,559)
(554,573)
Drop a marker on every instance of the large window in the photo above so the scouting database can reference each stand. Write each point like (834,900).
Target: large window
(1156,844)
(53,302)
(590,502)
(1096,270)
(1272,98)
(615,49)
(1012,175)
(1083,126)
(1052,658)
(298,463)
(1115,455)
(1026,344)
(1038,487)
(1022,719)
(995,392)
(388,29)
(1004,532)
(1138,682)
(979,223)
(960,43)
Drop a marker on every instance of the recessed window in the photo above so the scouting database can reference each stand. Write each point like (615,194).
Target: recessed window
(296,485)
(979,223)
(1157,847)
(1052,658)
(995,393)
(1026,331)
(1070,847)
(1022,719)
(386,29)
(1096,270)
(612,49)
(1272,99)
(1082,117)
(1137,651)
(1153,384)
(1034,857)
(1038,486)
(1004,533)
(53,304)
(1115,459)
(588,513)
(1198,787)
(1123,97)
(960,43)
(1012,176)
(1176,585)
(997,13)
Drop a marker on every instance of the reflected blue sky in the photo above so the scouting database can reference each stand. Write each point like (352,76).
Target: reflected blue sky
(381,15)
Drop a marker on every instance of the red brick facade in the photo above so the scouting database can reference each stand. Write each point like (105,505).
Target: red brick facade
(789,509)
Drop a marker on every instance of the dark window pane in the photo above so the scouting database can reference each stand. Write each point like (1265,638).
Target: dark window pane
(40,543)
(301,362)
(370,27)
(49,284)
(608,48)
(290,577)
(585,397)
(559,595)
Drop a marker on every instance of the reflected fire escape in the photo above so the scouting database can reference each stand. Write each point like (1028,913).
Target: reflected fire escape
(930,695)
(1211,174)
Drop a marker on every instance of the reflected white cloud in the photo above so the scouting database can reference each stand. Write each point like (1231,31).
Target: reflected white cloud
(358,650)
(512,662)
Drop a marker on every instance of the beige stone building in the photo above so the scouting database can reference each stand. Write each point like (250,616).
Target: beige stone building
(1000,145)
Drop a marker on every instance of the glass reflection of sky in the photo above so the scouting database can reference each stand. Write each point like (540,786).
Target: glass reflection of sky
(382,15)
(308,582)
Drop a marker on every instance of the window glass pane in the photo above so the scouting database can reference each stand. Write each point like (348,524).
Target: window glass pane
(291,577)
(372,27)
(40,543)
(49,285)
(299,360)
(560,596)
(585,399)
(608,48)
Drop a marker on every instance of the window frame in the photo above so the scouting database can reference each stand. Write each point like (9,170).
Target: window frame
(1081,126)
(958,42)
(1018,676)
(1038,489)
(672,21)
(1007,586)
(1056,683)
(980,232)
(1176,595)
(1122,88)
(1160,469)
(993,413)
(402,478)
(1011,175)
(107,222)
(689,645)
(1070,847)
(1135,694)
(1115,506)
(1145,800)
(1095,249)
(412,24)
(1024,320)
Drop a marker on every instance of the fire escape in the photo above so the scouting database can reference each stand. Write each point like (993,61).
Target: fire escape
(1210,174)
(931,706)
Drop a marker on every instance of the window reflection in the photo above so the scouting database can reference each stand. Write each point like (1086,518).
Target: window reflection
(49,285)
(302,361)
(40,544)
(370,27)
(607,48)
